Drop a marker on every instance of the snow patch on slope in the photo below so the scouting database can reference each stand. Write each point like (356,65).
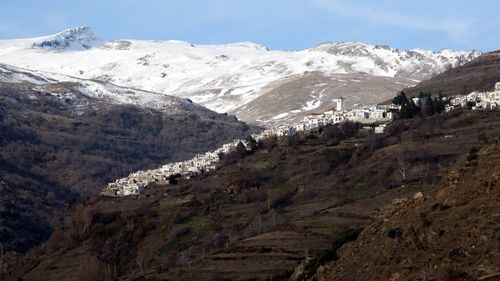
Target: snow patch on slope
(66,87)
(220,77)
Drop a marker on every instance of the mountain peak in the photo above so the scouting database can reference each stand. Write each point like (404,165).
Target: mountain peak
(358,49)
(79,30)
(76,38)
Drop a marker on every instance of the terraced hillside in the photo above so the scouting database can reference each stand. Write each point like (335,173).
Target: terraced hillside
(448,233)
(260,216)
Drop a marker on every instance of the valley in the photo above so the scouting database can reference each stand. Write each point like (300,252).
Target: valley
(259,217)
(66,140)
(237,162)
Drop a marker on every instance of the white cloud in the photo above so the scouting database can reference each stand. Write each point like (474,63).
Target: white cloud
(456,29)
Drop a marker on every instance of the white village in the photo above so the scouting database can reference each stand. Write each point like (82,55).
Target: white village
(378,115)
(477,100)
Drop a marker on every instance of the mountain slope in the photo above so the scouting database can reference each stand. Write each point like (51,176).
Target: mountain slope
(85,94)
(61,140)
(73,39)
(258,218)
(480,74)
(451,233)
(295,96)
(225,78)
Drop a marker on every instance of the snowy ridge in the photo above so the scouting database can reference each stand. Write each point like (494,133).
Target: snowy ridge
(12,74)
(223,78)
(74,38)
(66,87)
(395,62)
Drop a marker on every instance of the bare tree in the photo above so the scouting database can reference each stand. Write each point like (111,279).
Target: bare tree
(79,221)
(130,224)
(141,259)
(259,221)
(403,167)
(273,216)
(269,200)
(1,257)
(301,191)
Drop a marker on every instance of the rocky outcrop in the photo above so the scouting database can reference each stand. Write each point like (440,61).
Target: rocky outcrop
(448,234)
(73,38)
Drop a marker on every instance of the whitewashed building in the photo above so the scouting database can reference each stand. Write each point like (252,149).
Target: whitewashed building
(135,183)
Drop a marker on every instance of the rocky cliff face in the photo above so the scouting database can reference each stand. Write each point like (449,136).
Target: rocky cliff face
(78,38)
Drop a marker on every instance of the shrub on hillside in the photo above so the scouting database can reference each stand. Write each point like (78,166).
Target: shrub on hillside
(277,199)
(396,128)
(374,142)
(472,154)
(269,142)
(251,143)
(178,230)
(295,140)
(349,129)
(250,196)
(332,132)
(231,158)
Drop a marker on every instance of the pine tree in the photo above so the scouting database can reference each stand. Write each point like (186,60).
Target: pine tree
(408,107)
(251,143)
(428,108)
(400,99)
(241,149)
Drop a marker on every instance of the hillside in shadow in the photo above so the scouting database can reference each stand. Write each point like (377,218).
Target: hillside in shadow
(53,150)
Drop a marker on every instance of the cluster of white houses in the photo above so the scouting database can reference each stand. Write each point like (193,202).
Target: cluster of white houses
(477,100)
(366,115)
(135,183)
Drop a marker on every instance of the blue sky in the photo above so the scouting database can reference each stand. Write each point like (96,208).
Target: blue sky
(278,24)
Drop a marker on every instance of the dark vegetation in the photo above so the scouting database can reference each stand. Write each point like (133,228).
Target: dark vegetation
(426,106)
(52,151)
(259,215)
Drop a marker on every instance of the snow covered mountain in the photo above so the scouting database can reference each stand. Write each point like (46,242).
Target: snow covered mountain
(246,79)
(78,38)
(74,38)
(81,95)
